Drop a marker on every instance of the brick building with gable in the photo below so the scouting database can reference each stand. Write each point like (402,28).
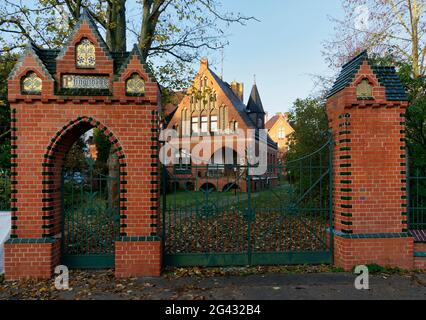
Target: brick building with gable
(214,107)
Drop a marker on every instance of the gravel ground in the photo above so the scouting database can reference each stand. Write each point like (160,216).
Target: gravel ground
(284,283)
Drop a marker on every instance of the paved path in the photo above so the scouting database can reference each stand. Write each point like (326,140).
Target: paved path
(101,285)
(337,286)
(4,233)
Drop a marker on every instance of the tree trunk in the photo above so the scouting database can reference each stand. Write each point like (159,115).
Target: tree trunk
(113,181)
(414,20)
(116,31)
(150,16)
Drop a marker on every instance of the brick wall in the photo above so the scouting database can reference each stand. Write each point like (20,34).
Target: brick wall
(370,201)
(135,258)
(420,256)
(45,127)
(31,260)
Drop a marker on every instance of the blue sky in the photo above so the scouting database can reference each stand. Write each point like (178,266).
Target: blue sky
(283,50)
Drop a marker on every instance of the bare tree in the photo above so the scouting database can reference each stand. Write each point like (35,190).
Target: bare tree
(394,27)
(173,33)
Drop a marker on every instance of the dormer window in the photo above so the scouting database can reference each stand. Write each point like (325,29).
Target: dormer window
(135,85)
(364,90)
(31,84)
(85,55)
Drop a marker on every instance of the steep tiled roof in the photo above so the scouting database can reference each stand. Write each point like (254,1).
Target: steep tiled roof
(123,59)
(48,56)
(271,122)
(47,59)
(387,77)
(236,102)
(119,59)
(239,106)
(348,73)
(86,17)
(254,104)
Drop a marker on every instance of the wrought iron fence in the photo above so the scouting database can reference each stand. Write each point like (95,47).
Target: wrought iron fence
(5,190)
(417,200)
(90,219)
(221,215)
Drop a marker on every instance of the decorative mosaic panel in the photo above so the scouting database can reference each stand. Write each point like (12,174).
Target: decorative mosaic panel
(32,84)
(135,85)
(85,55)
(70,81)
(364,90)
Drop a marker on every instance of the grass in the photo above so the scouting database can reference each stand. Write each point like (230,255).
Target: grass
(267,198)
(375,269)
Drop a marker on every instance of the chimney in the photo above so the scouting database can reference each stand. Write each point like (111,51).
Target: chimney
(204,63)
(238,89)
(266,117)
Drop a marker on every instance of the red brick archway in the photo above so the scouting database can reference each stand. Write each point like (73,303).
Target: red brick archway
(46,121)
(54,161)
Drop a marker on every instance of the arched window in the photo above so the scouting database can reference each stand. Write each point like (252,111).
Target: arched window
(85,54)
(185,123)
(195,124)
(182,161)
(204,123)
(223,118)
(214,123)
(135,85)
(233,125)
(281,133)
(31,84)
(193,106)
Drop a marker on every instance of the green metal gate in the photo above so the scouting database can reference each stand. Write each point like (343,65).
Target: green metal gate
(223,215)
(90,219)
(416,183)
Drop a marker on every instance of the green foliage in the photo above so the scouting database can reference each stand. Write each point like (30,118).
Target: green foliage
(172,34)
(375,269)
(75,160)
(416,133)
(103,146)
(416,112)
(5,190)
(415,116)
(309,120)
(6,65)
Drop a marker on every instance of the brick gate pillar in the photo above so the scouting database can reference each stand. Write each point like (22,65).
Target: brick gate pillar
(54,100)
(366,113)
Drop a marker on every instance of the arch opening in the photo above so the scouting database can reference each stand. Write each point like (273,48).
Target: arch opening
(83,170)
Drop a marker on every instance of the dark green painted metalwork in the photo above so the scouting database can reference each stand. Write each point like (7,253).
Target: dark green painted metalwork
(224,215)
(5,190)
(90,219)
(417,200)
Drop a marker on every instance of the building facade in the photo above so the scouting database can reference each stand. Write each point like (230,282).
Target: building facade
(214,108)
(280,129)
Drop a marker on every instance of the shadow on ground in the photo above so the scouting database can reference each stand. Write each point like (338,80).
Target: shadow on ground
(233,284)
